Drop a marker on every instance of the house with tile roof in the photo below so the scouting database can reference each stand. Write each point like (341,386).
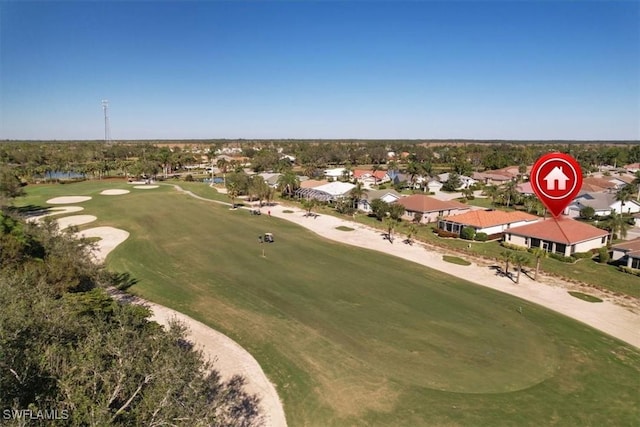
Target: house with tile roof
(430,207)
(388,196)
(591,183)
(492,177)
(563,236)
(629,252)
(489,221)
(369,178)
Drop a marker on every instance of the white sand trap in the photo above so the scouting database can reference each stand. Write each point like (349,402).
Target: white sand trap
(110,238)
(68,199)
(69,221)
(114,192)
(146,187)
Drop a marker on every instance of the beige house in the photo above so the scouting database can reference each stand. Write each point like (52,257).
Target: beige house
(430,207)
(490,222)
(562,236)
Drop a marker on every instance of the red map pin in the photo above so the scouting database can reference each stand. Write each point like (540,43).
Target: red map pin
(556,178)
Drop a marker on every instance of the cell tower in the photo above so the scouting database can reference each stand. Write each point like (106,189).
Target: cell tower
(107,130)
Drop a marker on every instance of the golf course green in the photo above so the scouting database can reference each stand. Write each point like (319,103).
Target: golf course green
(355,337)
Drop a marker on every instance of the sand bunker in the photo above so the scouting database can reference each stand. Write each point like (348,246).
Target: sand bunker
(110,237)
(69,221)
(145,187)
(114,192)
(68,199)
(53,211)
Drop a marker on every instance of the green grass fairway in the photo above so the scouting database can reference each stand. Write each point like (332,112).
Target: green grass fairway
(354,337)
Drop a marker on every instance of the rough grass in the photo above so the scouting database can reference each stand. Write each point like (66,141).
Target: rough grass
(455,260)
(584,297)
(344,228)
(354,337)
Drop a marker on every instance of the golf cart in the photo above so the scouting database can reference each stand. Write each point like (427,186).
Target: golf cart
(268,238)
(255,212)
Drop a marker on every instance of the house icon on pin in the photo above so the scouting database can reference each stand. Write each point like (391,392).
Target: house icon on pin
(556,179)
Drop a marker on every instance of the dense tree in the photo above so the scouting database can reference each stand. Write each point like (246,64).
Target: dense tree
(10,185)
(75,350)
(288,183)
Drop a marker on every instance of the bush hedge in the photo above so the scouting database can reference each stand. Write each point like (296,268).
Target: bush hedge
(562,258)
(468,233)
(444,233)
(481,237)
(629,270)
(515,247)
(580,255)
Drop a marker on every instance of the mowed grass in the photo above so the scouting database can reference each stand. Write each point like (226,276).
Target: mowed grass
(354,337)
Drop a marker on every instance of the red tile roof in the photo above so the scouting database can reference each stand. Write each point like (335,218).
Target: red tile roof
(422,203)
(361,172)
(484,219)
(562,230)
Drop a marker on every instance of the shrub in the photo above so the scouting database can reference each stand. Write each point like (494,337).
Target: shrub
(481,236)
(467,233)
(188,178)
(444,233)
(629,270)
(587,212)
(515,247)
(603,255)
(382,187)
(581,255)
(561,258)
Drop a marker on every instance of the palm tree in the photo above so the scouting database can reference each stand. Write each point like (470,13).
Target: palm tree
(624,195)
(358,193)
(507,257)
(510,191)
(309,204)
(413,230)
(492,192)
(467,193)
(538,253)
(636,182)
(520,260)
(375,168)
(233,192)
(390,224)
(288,183)
(618,225)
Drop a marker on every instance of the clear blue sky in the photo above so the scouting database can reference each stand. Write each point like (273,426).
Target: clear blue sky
(302,69)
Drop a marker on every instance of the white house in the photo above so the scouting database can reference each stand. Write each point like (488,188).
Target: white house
(434,186)
(563,236)
(629,251)
(388,196)
(466,181)
(602,203)
(327,192)
(335,174)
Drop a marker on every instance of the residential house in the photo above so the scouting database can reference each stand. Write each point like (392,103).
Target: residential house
(629,252)
(434,186)
(562,236)
(490,222)
(398,179)
(632,168)
(492,178)
(602,203)
(369,178)
(271,178)
(636,219)
(335,174)
(466,181)
(430,207)
(594,184)
(327,192)
(388,196)
(525,189)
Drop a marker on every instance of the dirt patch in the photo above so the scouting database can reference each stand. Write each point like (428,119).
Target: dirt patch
(64,200)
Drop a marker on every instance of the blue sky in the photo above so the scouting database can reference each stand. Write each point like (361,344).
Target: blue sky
(331,69)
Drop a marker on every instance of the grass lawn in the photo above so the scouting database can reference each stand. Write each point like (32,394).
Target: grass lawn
(354,337)
(344,228)
(455,260)
(584,297)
